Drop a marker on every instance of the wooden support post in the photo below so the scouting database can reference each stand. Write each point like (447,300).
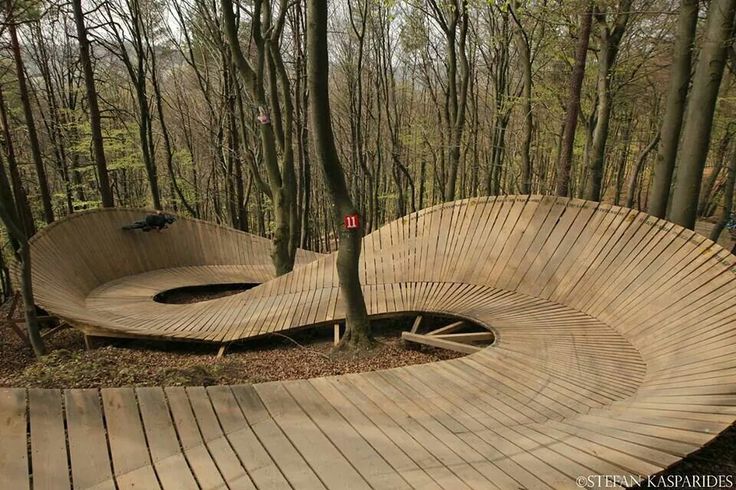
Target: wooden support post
(337,334)
(11,321)
(221,350)
(92,342)
(417,321)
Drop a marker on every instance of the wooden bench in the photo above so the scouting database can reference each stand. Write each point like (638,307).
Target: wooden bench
(613,355)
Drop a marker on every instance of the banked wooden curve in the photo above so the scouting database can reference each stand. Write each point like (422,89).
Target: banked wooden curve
(615,339)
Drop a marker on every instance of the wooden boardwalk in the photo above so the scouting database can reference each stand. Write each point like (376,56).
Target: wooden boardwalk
(614,354)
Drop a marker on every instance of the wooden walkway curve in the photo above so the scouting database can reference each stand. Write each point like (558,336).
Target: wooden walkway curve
(614,355)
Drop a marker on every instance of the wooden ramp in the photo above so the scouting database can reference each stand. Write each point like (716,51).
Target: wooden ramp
(614,352)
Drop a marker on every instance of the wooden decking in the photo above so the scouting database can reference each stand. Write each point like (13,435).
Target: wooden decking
(613,355)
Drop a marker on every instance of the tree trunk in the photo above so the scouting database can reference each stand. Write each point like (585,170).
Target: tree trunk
(573,102)
(699,118)
(43,185)
(524,48)
(275,128)
(358,331)
(22,250)
(675,109)
(706,193)
(621,167)
(636,171)
(93,107)
(168,149)
(727,208)
(20,199)
(610,40)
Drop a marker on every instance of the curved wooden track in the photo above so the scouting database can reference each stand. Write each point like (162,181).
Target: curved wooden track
(614,355)
(103,279)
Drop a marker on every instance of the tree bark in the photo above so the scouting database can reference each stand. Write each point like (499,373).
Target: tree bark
(636,171)
(276,133)
(699,117)
(43,184)
(22,250)
(706,193)
(525,62)
(610,40)
(20,199)
(675,109)
(573,102)
(168,149)
(727,208)
(358,331)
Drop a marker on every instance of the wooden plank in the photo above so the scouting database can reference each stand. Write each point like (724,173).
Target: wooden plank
(452,327)
(201,462)
(318,451)
(415,325)
(171,465)
(88,449)
(286,456)
(219,447)
(440,342)
(372,467)
(48,440)
(467,337)
(255,458)
(130,458)
(14,449)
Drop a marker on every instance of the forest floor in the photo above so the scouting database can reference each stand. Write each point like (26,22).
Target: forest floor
(123,362)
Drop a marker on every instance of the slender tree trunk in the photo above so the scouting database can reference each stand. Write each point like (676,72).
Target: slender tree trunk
(22,250)
(524,49)
(699,117)
(43,184)
(636,171)
(706,193)
(610,40)
(144,133)
(20,199)
(358,331)
(621,167)
(573,102)
(728,192)
(168,149)
(675,109)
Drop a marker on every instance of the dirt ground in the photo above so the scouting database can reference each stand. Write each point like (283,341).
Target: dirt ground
(121,362)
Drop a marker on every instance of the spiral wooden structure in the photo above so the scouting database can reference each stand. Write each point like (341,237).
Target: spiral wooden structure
(614,355)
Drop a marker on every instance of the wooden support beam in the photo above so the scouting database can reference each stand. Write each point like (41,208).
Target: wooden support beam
(60,326)
(417,321)
(10,321)
(92,342)
(467,337)
(440,342)
(337,334)
(448,329)
(221,350)
(19,332)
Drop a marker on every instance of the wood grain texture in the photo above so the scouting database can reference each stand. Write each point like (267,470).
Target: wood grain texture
(614,343)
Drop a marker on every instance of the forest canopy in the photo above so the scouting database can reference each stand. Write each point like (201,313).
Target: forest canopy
(149,103)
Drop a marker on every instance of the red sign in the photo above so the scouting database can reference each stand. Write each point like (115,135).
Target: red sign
(352,221)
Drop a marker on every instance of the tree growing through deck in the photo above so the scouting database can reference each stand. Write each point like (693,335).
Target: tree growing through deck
(358,330)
